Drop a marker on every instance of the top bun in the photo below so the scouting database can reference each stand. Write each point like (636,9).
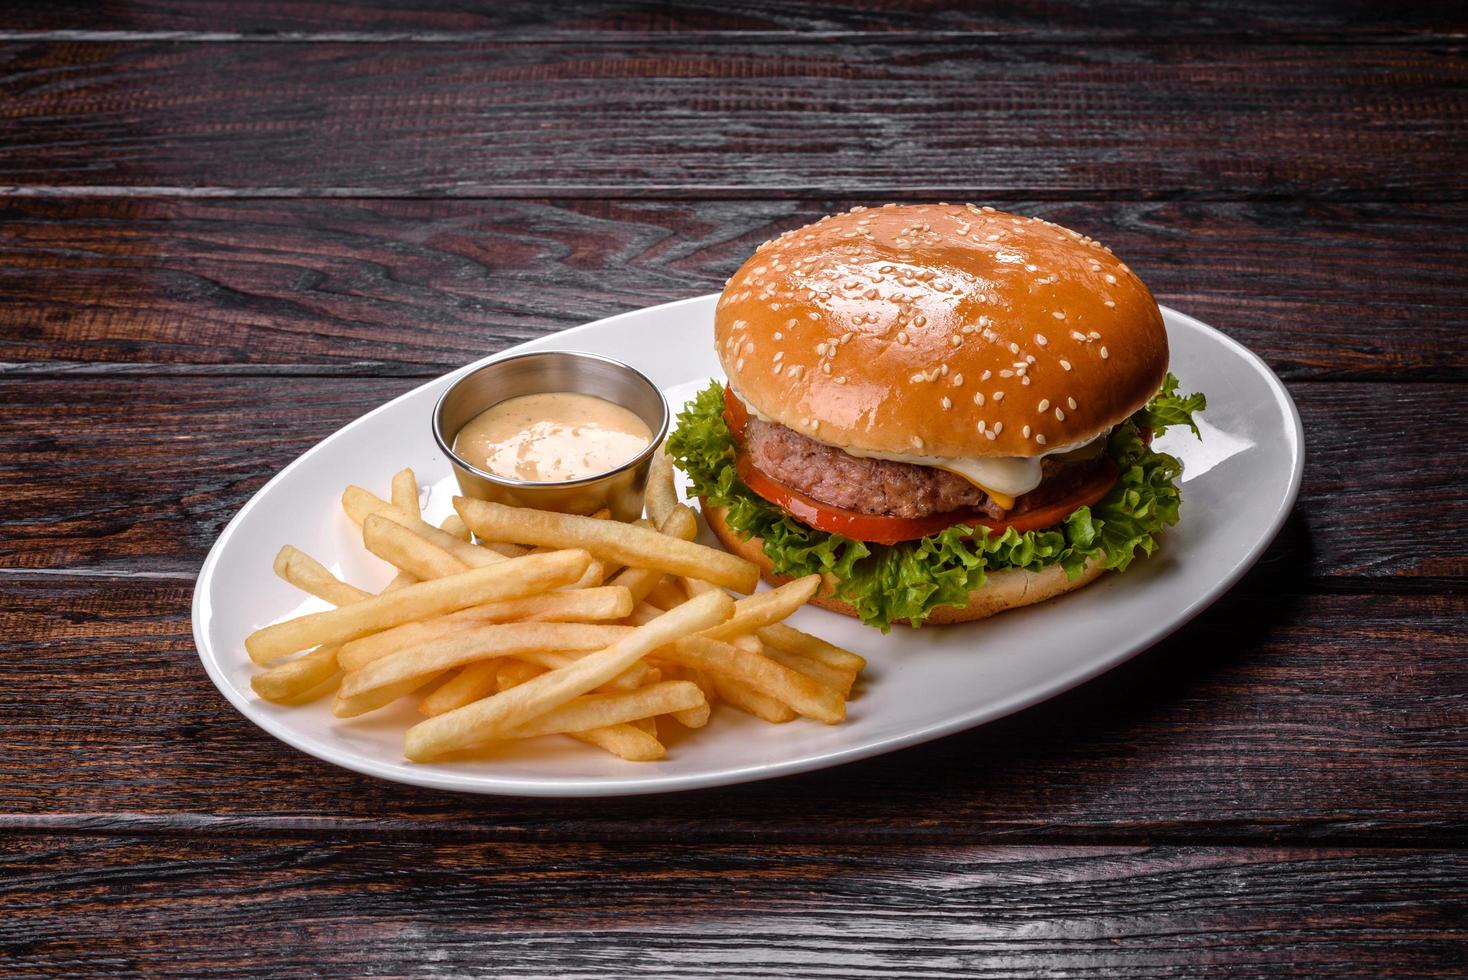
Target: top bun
(940,330)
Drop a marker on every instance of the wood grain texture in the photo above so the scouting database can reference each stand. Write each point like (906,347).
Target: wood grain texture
(1276,715)
(1321,291)
(701,119)
(527,20)
(285,906)
(140,474)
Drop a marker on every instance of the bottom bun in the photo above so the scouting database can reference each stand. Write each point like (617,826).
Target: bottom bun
(1010,588)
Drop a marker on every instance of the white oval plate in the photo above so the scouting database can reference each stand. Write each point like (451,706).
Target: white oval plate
(1240,482)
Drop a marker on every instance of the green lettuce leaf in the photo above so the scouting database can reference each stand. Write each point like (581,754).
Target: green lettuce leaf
(904,582)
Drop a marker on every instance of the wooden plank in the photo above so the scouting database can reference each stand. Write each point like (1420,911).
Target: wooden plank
(1322,291)
(1274,716)
(362,907)
(140,474)
(525,20)
(823,117)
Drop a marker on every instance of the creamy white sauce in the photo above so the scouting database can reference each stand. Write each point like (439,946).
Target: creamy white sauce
(552,437)
(1008,475)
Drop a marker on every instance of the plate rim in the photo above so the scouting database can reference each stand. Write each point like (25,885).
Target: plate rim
(431,777)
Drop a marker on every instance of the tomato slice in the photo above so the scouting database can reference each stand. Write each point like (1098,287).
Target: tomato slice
(736,416)
(890,530)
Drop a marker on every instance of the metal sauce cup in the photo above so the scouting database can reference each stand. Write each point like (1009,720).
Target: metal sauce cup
(620,489)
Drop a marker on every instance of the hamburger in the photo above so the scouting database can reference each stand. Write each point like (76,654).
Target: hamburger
(945,410)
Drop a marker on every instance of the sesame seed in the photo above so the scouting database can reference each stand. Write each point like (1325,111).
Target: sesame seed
(1014,348)
(1058,315)
(1026,431)
(841,379)
(943,369)
(958,380)
(1104,355)
(1040,339)
(998,427)
(986,375)
(1025,380)
(978,398)
(1094,335)
(792,322)
(1059,413)
(1032,268)
(999,396)
(1044,404)
(1110,278)
(990,435)
(826,368)
(1109,303)
(821,349)
(947,403)
(846,337)
(1072,403)
(917,442)
(980,426)
(749,347)
(1006,373)
(1040,439)
(1077,335)
(1029,358)
(956,340)
(902,336)
(1065,364)
(914,379)
(739,364)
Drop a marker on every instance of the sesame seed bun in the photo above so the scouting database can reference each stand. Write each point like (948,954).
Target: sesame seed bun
(1009,588)
(940,330)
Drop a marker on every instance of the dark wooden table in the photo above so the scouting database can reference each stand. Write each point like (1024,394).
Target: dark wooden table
(229,228)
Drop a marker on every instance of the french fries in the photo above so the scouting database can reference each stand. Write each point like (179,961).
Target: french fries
(505,607)
(484,720)
(608,540)
(529,574)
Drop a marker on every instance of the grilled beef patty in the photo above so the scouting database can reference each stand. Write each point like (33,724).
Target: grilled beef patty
(882,487)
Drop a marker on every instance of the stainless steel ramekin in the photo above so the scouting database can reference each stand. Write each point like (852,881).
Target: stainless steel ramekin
(531,374)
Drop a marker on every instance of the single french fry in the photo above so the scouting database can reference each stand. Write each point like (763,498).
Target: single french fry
(600,710)
(630,679)
(508,579)
(284,682)
(792,640)
(661,496)
(405,492)
(486,719)
(763,675)
(315,692)
(836,679)
(666,594)
(474,681)
(748,700)
(405,550)
(625,741)
(350,706)
(513,673)
(599,604)
(608,540)
(479,643)
(695,717)
(309,575)
(595,574)
(763,608)
(359,503)
(454,524)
